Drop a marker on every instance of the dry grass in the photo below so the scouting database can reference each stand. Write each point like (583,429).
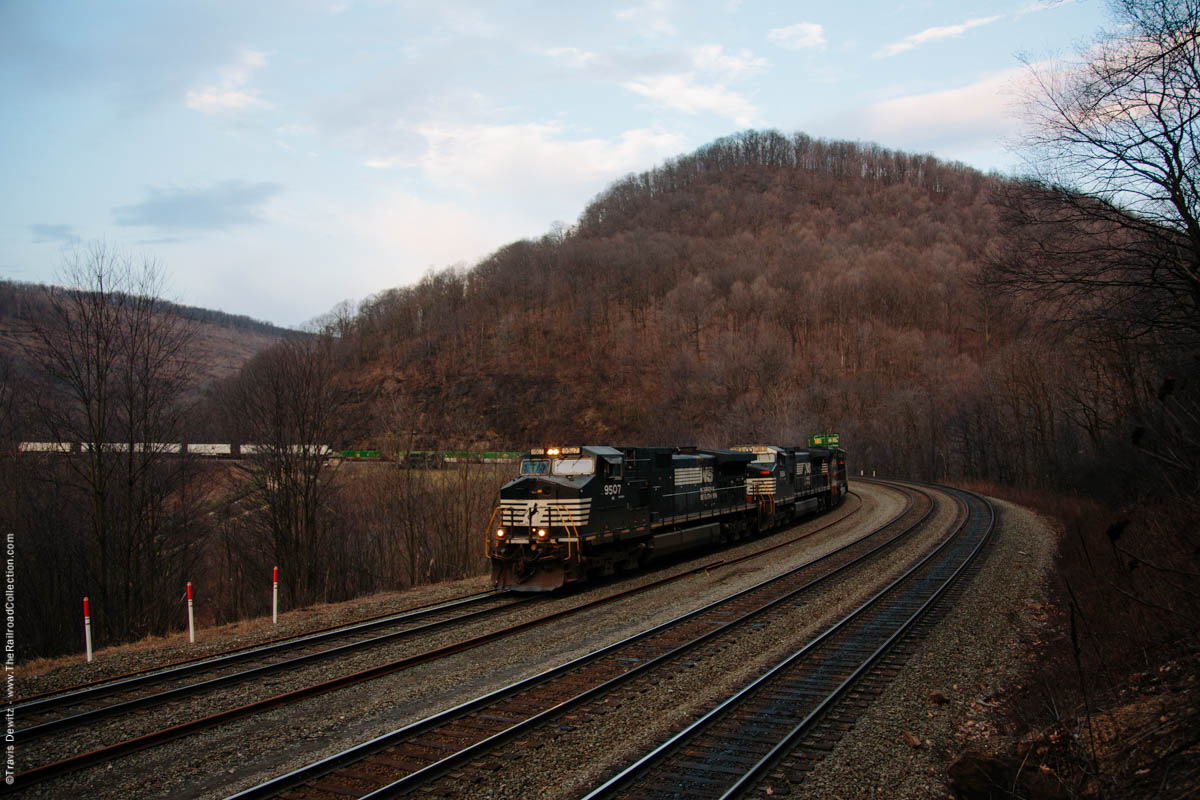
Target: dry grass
(157,651)
(1111,695)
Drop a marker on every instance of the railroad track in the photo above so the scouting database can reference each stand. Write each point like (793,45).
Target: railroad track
(782,723)
(55,712)
(458,739)
(139,692)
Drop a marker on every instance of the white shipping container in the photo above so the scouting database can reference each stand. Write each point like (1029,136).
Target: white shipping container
(157,447)
(210,449)
(44,447)
(106,447)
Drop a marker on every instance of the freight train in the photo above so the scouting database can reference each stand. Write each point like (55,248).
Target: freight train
(574,514)
(414,459)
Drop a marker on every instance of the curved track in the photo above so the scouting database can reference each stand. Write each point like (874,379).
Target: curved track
(454,740)
(84,706)
(728,751)
(137,692)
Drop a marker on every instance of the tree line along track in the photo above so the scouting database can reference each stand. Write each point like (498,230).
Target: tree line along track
(155,737)
(462,740)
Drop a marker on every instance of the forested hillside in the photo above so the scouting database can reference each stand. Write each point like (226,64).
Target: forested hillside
(762,288)
(223,341)
(1025,337)
(1038,339)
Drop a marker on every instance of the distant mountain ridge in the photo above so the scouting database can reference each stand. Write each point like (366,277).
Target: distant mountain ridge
(14,293)
(223,341)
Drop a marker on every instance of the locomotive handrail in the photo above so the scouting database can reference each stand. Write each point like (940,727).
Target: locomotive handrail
(571,526)
(487,540)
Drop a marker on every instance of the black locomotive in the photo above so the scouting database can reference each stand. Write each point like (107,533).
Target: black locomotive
(576,513)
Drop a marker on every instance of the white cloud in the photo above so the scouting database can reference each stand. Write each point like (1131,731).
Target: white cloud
(296,129)
(499,157)
(496,183)
(683,93)
(572,56)
(1035,6)
(231,94)
(399,235)
(933,34)
(215,100)
(801,36)
(391,162)
(713,58)
(653,16)
(975,114)
(704,88)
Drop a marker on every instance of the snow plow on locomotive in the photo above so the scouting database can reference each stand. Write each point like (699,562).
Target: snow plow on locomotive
(578,513)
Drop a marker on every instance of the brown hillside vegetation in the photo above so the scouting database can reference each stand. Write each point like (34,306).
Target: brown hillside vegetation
(222,342)
(764,287)
(952,326)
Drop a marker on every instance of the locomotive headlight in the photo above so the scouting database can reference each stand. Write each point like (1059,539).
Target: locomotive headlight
(500,533)
(541,533)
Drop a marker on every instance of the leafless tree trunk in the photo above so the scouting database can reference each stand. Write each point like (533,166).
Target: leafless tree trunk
(115,364)
(286,405)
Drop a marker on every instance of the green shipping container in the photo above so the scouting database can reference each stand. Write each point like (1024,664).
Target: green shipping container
(824,440)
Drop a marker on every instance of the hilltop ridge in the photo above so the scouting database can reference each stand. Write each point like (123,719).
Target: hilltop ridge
(763,287)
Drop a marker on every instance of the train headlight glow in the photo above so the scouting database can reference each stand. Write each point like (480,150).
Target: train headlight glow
(541,533)
(500,533)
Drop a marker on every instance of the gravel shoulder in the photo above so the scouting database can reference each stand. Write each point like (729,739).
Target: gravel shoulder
(974,648)
(942,697)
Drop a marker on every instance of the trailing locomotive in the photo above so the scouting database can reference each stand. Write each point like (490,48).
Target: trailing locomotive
(575,513)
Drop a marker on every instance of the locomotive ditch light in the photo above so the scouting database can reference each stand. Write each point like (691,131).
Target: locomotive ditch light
(500,533)
(541,533)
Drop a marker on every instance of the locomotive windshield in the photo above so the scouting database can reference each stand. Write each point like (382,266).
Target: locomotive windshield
(535,466)
(573,466)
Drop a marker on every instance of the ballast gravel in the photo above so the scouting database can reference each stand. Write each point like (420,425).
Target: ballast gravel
(572,755)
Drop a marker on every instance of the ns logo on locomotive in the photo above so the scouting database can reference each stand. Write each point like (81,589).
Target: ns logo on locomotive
(576,513)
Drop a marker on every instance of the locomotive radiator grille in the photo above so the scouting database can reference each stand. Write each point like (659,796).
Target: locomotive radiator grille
(572,512)
(760,486)
(686,476)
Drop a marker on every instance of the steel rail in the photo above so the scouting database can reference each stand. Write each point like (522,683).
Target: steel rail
(100,755)
(177,692)
(325,766)
(79,689)
(689,736)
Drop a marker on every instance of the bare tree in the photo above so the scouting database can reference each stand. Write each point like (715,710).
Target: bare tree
(115,364)
(286,404)
(1111,220)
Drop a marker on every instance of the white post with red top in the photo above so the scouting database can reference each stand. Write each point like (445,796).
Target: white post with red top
(275,597)
(191,619)
(87,629)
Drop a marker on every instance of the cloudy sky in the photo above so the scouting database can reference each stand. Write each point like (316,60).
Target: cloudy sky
(278,157)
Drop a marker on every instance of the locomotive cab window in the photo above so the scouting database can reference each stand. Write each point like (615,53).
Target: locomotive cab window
(612,469)
(573,466)
(535,466)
